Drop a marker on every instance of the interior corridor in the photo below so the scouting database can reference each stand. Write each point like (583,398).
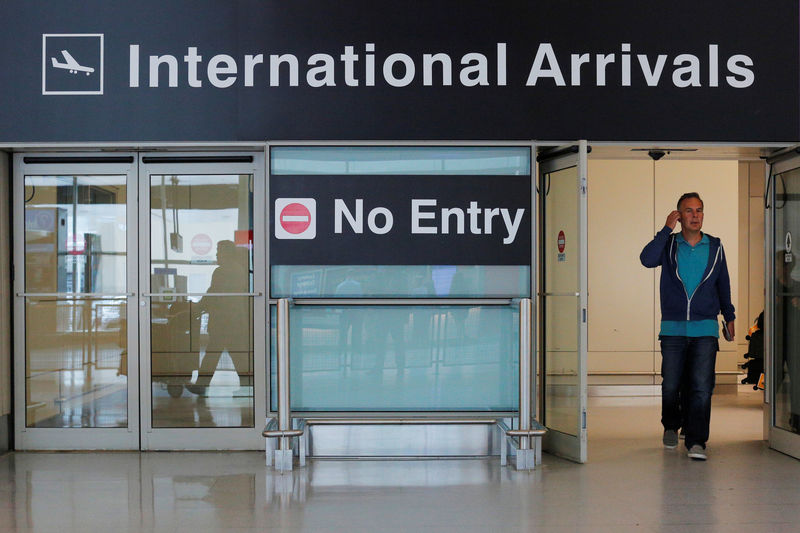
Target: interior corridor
(630,484)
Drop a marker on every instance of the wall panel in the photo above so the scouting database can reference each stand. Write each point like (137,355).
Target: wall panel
(743,309)
(620,295)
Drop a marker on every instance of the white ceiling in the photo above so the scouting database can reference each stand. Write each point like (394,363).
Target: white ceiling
(680,151)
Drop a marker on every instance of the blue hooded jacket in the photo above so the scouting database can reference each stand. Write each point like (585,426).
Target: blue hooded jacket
(711,296)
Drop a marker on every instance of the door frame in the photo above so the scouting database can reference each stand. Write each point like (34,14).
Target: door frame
(32,163)
(572,447)
(779,439)
(229,438)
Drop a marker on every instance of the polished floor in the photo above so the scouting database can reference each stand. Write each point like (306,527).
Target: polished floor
(630,484)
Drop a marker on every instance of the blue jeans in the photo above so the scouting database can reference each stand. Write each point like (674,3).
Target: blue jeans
(687,367)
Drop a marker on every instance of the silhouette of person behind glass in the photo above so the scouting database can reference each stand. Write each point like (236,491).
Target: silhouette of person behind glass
(228,317)
(390,322)
(350,319)
(460,288)
(422,316)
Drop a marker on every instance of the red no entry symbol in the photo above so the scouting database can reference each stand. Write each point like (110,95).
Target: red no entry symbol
(562,241)
(295,218)
(201,244)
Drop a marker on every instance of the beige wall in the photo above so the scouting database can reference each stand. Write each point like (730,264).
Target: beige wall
(5,296)
(621,297)
(751,247)
(628,203)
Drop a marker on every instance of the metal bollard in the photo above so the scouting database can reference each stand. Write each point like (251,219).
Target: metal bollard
(283,453)
(525,459)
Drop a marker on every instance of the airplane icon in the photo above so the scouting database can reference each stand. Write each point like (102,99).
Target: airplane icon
(70,64)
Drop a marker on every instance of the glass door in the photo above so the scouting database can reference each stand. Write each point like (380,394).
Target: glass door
(202,308)
(563,300)
(783,306)
(75,384)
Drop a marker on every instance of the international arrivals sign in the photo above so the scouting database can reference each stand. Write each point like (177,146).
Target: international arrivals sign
(357,67)
(255,70)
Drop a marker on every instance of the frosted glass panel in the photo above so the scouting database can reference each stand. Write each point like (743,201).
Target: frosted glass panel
(405,281)
(403,358)
(454,160)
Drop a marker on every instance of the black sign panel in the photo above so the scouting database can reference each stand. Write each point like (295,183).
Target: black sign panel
(255,70)
(400,220)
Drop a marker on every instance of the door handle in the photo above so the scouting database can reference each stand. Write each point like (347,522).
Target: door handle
(185,294)
(75,294)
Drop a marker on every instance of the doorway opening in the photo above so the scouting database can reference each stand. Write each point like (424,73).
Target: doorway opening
(632,189)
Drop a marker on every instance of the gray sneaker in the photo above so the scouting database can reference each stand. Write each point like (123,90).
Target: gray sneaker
(697,452)
(670,439)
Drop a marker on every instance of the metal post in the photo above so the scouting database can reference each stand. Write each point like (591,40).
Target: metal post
(283,455)
(525,454)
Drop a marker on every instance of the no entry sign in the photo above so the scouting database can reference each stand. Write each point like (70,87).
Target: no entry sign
(201,244)
(400,220)
(561,241)
(294,218)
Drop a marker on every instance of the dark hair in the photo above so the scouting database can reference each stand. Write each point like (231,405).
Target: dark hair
(689,195)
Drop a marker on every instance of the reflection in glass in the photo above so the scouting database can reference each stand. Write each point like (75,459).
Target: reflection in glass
(75,231)
(560,337)
(201,346)
(787,304)
(403,358)
(77,362)
(75,348)
(562,364)
(400,281)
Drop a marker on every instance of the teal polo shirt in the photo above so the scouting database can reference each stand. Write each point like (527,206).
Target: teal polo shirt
(692,262)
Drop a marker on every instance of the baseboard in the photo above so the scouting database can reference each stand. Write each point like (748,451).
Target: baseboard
(650,390)
(5,433)
(624,390)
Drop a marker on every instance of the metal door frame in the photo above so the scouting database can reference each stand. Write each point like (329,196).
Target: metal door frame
(573,447)
(779,439)
(244,438)
(127,438)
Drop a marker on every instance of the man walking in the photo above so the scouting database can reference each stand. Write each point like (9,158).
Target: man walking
(695,287)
